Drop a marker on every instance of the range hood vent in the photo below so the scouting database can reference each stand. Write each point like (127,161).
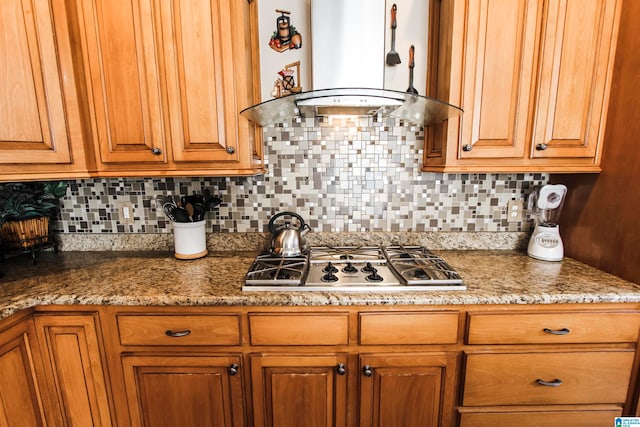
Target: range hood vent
(348,69)
(417,109)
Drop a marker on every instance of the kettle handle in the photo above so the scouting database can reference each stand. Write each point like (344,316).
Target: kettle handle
(272,227)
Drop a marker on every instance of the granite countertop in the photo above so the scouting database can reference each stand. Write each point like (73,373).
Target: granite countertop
(157,278)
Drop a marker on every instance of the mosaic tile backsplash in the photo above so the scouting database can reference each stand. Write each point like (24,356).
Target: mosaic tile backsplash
(356,175)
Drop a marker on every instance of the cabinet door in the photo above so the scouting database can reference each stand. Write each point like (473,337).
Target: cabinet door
(20,404)
(498,71)
(71,351)
(187,391)
(120,42)
(299,390)
(576,63)
(200,73)
(32,114)
(407,390)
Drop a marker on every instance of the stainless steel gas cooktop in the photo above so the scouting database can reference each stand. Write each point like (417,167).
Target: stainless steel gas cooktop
(393,268)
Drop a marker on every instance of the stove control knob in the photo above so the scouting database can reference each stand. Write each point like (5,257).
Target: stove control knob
(374,276)
(368,268)
(330,268)
(329,277)
(349,268)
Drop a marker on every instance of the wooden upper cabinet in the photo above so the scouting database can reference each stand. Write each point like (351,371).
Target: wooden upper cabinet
(533,79)
(31,109)
(39,117)
(166,81)
(200,80)
(577,54)
(498,75)
(123,75)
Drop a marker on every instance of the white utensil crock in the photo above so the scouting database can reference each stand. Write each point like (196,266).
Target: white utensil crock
(190,239)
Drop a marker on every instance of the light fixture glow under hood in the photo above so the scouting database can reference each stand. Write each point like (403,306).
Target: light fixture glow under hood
(417,109)
(348,53)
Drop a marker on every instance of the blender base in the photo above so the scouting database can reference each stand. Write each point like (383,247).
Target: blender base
(546,244)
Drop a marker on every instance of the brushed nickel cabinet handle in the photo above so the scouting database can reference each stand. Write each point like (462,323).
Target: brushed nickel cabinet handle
(563,331)
(367,371)
(467,147)
(541,147)
(553,383)
(177,334)
(156,151)
(341,369)
(233,369)
(231,150)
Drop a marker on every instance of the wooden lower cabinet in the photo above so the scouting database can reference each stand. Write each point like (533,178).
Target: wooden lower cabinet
(20,402)
(292,390)
(184,390)
(73,368)
(409,390)
(233,366)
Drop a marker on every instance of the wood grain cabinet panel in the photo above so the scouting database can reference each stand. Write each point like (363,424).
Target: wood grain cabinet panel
(179,329)
(20,401)
(299,329)
(31,106)
(74,371)
(299,390)
(533,78)
(122,66)
(574,75)
(166,82)
(409,390)
(589,417)
(546,378)
(184,390)
(39,116)
(409,328)
(552,328)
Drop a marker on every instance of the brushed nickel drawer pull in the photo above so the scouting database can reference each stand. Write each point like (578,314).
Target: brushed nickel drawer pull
(554,383)
(177,334)
(563,331)
(341,369)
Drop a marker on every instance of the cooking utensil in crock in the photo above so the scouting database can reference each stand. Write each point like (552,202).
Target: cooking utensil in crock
(287,239)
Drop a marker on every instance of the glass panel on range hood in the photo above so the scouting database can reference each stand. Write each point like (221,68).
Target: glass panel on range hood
(417,109)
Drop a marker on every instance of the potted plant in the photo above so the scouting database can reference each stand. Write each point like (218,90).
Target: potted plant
(25,209)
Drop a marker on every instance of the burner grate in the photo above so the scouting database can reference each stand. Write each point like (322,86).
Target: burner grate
(268,269)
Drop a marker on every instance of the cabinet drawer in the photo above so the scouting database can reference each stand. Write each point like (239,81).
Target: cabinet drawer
(551,418)
(299,329)
(580,377)
(179,329)
(409,328)
(541,328)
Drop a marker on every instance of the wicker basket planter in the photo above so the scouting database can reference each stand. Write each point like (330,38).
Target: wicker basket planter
(25,234)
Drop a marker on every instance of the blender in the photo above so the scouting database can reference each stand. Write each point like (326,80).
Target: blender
(545,205)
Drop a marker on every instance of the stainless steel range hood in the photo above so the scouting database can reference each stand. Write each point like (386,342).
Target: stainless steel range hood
(348,77)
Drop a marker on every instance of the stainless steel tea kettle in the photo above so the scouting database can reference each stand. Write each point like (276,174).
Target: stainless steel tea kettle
(288,240)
